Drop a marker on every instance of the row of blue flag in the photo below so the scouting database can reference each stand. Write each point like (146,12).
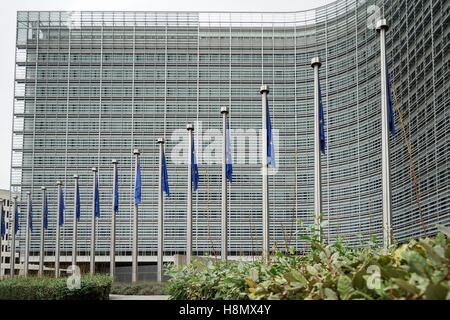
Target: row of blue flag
(61,206)
(194,168)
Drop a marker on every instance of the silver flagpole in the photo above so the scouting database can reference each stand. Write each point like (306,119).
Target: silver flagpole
(316,63)
(75,222)
(224,217)
(382,27)
(134,271)
(190,129)
(27,237)
(93,222)
(265,178)
(12,259)
(42,237)
(159,271)
(112,252)
(59,184)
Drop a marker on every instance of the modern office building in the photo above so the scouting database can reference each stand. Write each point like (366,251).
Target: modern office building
(92,86)
(6,202)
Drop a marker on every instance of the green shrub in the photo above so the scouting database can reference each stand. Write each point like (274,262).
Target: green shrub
(44,288)
(419,269)
(139,288)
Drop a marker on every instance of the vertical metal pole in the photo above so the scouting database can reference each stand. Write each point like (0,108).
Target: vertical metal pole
(315,64)
(93,222)
(159,271)
(382,27)
(27,237)
(42,236)
(224,217)
(57,253)
(12,258)
(75,222)
(134,271)
(264,171)
(190,129)
(112,252)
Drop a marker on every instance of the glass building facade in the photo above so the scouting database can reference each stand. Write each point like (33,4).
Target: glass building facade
(92,86)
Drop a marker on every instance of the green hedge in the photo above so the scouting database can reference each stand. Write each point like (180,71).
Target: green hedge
(139,288)
(419,269)
(45,288)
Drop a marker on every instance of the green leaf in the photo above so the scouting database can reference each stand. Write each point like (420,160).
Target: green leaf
(392,272)
(324,224)
(447,252)
(440,251)
(415,261)
(311,270)
(250,283)
(362,294)
(306,238)
(436,292)
(431,253)
(298,277)
(358,280)
(445,230)
(405,285)
(344,286)
(330,294)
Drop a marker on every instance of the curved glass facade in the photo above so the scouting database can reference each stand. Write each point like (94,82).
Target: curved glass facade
(91,86)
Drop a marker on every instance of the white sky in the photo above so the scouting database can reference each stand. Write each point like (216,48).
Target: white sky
(8,10)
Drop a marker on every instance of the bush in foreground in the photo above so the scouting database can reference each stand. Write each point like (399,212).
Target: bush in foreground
(139,288)
(45,288)
(419,269)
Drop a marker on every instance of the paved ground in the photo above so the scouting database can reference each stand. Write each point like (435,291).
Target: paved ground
(130,297)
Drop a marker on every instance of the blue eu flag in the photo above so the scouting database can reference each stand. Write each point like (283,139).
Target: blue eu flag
(390,110)
(195,176)
(3,226)
(165,178)
(45,217)
(97,198)
(77,205)
(16,224)
(137,184)
(229,163)
(321,123)
(61,208)
(270,145)
(30,216)
(116,192)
